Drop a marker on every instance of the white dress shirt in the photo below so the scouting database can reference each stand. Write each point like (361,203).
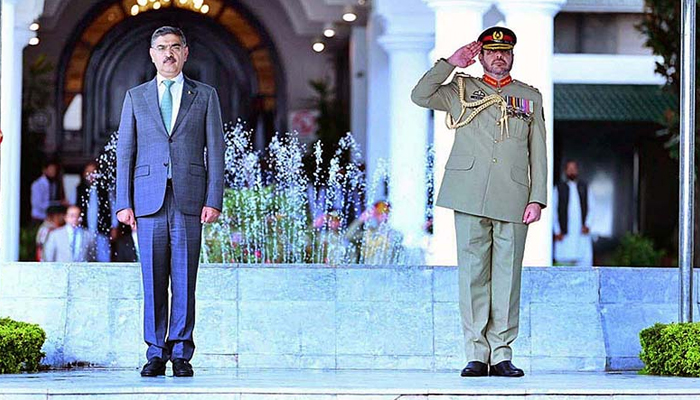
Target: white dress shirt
(176,90)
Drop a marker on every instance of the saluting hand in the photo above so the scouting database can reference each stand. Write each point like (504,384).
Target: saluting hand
(464,56)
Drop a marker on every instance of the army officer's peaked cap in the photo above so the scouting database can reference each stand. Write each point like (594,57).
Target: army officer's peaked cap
(498,38)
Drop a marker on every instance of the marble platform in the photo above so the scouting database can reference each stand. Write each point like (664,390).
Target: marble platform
(341,318)
(340,385)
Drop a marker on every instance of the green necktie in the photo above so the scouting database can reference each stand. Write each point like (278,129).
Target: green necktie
(166,105)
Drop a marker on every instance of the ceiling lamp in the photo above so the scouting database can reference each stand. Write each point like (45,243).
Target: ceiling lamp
(349,14)
(34,41)
(34,26)
(329,30)
(156,5)
(318,45)
(142,3)
(134,9)
(204,9)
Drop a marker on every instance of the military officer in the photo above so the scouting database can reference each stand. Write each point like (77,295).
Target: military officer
(495,181)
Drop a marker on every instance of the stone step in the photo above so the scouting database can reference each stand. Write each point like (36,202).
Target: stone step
(238,384)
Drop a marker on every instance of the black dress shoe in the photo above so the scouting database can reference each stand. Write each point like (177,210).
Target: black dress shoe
(475,368)
(507,369)
(154,367)
(182,368)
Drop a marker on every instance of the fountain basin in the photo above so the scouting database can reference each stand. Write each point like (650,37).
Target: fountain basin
(340,317)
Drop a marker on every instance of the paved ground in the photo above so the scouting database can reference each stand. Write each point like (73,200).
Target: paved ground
(338,385)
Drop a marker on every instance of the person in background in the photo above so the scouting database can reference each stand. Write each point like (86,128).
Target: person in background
(70,243)
(54,219)
(377,242)
(572,215)
(47,190)
(96,202)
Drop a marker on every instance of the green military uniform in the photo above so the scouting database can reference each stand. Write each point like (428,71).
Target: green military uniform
(497,166)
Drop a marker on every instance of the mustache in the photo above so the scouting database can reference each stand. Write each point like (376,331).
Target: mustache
(168,58)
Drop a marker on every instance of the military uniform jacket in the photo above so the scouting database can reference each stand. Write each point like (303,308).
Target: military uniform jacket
(492,172)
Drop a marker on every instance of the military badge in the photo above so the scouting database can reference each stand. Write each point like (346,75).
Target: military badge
(520,108)
(478,95)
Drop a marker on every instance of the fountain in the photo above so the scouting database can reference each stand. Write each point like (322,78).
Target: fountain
(276,212)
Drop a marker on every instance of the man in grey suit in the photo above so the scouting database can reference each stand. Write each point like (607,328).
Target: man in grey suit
(165,186)
(70,243)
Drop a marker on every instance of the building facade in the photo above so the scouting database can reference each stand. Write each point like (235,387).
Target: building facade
(259,55)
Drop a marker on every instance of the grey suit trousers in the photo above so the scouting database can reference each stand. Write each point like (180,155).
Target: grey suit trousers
(169,243)
(490,258)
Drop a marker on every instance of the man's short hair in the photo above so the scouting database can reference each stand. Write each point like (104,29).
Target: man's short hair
(50,161)
(55,210)
(168,30)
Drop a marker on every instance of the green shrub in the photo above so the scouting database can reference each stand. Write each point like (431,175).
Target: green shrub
(637,251)
(672,349)
(20,346)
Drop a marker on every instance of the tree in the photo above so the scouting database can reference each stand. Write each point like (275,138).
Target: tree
(662,27)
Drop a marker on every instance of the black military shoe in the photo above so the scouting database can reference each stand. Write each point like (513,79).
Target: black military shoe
(507,369)
(154,367)
(182,368)
(475,368)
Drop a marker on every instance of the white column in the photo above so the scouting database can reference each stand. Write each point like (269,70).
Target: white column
(408,61)
(358,85)
(457,22)
(377,128)
(14,38)
(533,23)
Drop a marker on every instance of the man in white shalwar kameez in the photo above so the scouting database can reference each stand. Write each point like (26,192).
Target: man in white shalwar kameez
(572,215)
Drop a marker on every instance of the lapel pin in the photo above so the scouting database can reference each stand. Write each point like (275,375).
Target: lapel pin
(190,92)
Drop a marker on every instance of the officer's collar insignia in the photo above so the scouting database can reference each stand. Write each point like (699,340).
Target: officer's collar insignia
(478,95)
(498,83)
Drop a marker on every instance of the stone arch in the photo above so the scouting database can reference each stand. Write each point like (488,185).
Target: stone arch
(108,53)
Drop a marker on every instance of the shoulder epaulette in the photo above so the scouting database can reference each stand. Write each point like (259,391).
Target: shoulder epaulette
(525,84)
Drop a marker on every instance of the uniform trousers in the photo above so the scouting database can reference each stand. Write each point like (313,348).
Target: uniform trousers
(490,257)
(169,245)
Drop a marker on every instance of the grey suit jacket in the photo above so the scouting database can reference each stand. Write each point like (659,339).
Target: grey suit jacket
(145,149)
(57,247)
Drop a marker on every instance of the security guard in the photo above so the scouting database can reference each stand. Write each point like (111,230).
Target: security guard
(495,181)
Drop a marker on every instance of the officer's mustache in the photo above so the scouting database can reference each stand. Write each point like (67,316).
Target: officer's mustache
(168,58)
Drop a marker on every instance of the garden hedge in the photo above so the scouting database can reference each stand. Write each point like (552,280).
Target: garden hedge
(20,346)
(671,349)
